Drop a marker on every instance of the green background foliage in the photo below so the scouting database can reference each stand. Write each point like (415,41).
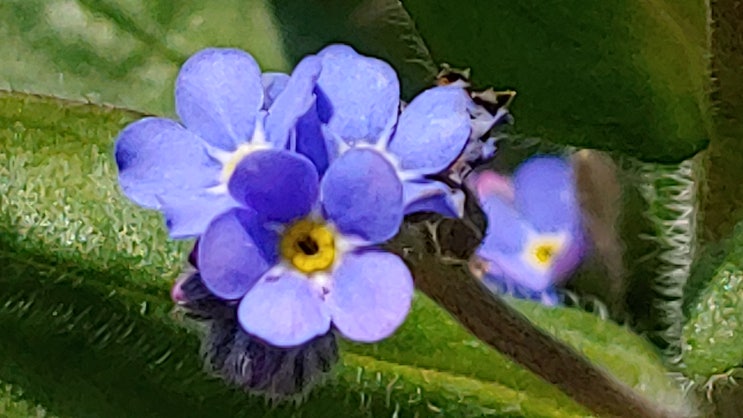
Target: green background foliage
(86,325)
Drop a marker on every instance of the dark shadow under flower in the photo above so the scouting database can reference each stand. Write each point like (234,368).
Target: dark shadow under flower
(247,362)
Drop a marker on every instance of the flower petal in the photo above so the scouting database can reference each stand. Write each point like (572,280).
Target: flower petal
(284,310)
(487,183)
(292,102)
(218,94)
(159,158)
(362,195)
(432,196)
(273,85)
(432,131)
(359,96)
(280,185)
(506,232)
(545,194)
(188,215)
(311,141)
(482,120)
(234,252)
(370,296)
(570,259)
(511,268)
(498,284)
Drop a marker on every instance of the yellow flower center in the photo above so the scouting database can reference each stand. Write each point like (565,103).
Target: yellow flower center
(541,251)
(228,168)
(544,253)
(309,246)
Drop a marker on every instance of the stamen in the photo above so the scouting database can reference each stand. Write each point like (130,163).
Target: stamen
(309,246)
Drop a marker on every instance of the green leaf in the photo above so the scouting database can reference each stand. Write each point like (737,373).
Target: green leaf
(12,404)
(621,75)
(723,200)
(87,328)
(713,334)
(124,52)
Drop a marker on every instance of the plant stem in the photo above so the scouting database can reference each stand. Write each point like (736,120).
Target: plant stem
(723,198)
(494,322)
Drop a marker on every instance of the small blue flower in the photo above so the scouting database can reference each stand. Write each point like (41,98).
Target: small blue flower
(183,168)
(534,236)
(298,254)
(358,106)
(291,182)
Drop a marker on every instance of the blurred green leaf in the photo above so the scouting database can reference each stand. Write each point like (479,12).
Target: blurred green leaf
(723,200)
(12,404)
(623,76)
(123,52)
(86,323)
(713,341)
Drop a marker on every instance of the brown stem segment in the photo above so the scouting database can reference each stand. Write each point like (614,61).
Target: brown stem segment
(494,322)
(724,191)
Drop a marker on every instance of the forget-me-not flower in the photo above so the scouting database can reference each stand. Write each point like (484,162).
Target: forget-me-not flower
(183,168)
(358,106)
(291,182)
(534,237)
(299,253)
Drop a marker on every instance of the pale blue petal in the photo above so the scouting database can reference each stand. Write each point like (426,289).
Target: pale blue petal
(362,195)
(188,216)
(432,131)
(370,295)
(284,310)
(273,85)
(234,252)
(358,96)
(218,94)
(433,196)
(513,268)
(545,194)
(571,257)
(158,158)
(293,102)
(506,232)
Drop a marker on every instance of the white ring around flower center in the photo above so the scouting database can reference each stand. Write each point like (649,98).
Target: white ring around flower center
(541,250)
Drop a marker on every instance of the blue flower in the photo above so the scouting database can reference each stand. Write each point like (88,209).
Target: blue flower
(291,182)
(183,168)
(534,236)
(358,106)
(298,254)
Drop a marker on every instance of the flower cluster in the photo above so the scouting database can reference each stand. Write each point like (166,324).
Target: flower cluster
(535,236)
(290,182)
